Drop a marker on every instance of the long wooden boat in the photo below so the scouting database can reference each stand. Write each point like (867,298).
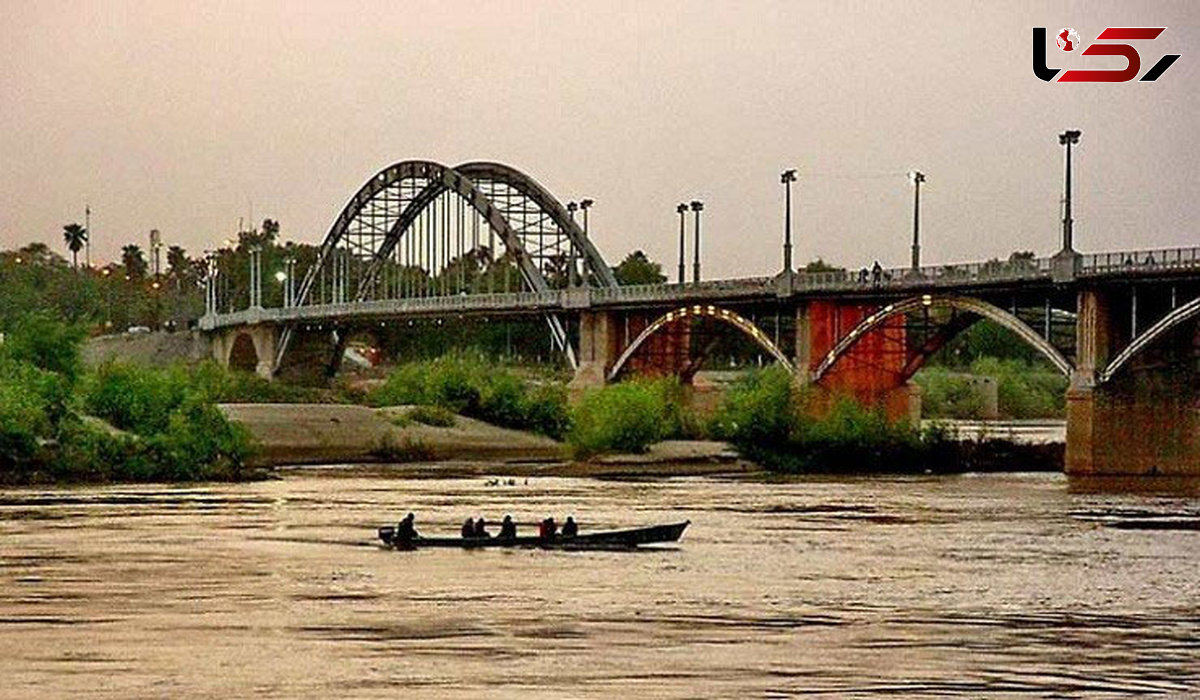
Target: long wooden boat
(608,539)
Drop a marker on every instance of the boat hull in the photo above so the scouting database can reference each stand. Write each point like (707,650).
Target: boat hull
(609,539)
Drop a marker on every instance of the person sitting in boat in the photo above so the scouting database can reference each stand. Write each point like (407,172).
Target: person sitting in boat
(570,528)
(480,528)
(468,529)
(508,529)
(405,532)
(547,529)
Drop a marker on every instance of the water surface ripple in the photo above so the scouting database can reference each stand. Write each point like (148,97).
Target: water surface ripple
(1005,585)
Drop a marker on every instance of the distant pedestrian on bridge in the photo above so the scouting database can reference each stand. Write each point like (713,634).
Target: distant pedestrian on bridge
(876,273)
(481,528)
(570,528)
(468,529)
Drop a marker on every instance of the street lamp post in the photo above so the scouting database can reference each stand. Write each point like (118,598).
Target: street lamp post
(584,205)
(697,206)
(682,209)
(1068,138)
(917,178)
(787,177)
(571,207)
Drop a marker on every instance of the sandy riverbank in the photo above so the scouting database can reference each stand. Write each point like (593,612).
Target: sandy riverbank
(355,440)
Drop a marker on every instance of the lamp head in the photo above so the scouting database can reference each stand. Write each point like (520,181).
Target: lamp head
(1069,136)
(681,208)
(787,176)
(585,203)
(697,205)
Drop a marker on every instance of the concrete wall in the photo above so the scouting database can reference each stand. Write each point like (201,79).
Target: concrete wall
(148,349)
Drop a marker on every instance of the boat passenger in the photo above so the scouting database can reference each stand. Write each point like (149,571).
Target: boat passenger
(468,529)
(547,529)
(508,529)
(570,528)
(405,532)
(480,526)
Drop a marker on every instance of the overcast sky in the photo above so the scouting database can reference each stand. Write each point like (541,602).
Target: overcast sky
(182,116)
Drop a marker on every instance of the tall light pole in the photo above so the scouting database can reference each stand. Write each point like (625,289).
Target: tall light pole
(571,207)
(584,205)
(87,239)
(1068,138)
(917,177)
(682,209)
(787,177)
(697,206)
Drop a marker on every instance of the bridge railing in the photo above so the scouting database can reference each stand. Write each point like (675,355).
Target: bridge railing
(747,286)
(1159,259)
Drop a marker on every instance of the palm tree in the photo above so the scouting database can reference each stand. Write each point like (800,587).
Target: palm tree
(75,236)
(177,261)
(134,261)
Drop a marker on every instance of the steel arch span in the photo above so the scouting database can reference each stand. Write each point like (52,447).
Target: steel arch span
(700,311)
(1164,326)
(976,306)
(416,224)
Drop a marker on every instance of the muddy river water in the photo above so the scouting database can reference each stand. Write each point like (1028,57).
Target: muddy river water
(966,586)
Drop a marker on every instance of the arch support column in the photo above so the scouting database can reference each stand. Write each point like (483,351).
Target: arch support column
(598,347)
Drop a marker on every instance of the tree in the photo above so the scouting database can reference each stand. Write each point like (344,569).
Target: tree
(638,268)
(134,261)
(75,236)
(177,262)
(820,265)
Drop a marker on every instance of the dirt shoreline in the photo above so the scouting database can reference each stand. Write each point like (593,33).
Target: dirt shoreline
(339,440)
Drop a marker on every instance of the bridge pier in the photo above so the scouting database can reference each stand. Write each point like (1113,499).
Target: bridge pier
(1141,422)
(598,349)
(248,347)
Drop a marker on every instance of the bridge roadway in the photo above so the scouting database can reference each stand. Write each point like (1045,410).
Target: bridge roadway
(966,278)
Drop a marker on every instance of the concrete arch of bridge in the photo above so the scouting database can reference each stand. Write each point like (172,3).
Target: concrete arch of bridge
(1167,324)
(980,308)
(250,348)
(700,311)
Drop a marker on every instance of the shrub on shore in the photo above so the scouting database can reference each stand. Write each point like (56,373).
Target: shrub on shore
(761,414)
(626,417)
(473,386)
(1023,390)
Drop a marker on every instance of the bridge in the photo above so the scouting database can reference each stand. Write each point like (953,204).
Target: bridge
(421,239)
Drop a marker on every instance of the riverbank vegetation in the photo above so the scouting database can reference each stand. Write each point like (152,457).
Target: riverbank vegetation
(1027,386)
(764,416)
(60,423)
(471,384)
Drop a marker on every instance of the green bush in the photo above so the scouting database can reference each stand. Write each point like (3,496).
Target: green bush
(626,417)
(946,394)
(432,415)
(133,398)
(758,409)
(469,384)
(46,343)
(221,385)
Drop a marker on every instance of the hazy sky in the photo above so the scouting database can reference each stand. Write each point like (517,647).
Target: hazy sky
(182,115)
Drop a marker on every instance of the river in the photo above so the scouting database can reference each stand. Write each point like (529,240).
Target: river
(978,585)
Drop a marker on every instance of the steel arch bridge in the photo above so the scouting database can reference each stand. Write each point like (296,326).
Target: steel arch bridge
(977,308)
(419,229)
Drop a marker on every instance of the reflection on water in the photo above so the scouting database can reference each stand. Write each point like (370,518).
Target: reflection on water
(971,586)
